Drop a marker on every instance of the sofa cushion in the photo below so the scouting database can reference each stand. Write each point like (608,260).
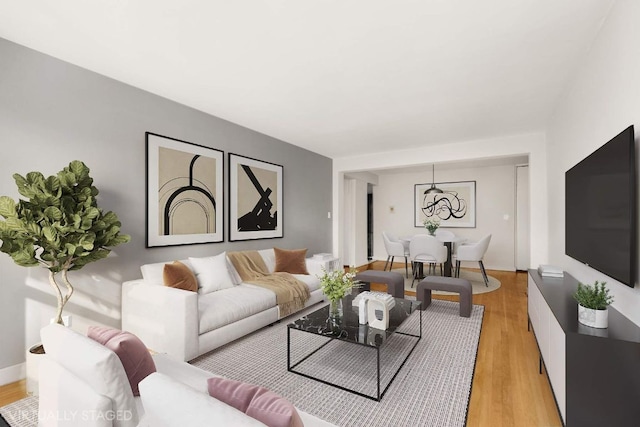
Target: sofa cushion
(212,273)
(178,275)
(312,282)
(257,402)
(269,258)
(95,364)
(226,306)
(133,354)
(291,261)
(186,373)
(153,274)
(169,403)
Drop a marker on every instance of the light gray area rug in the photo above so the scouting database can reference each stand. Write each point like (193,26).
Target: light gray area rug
(23,413)
(431,389)
(477,282)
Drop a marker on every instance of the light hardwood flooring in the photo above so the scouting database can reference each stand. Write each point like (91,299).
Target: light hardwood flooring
(507,389)
(11,392)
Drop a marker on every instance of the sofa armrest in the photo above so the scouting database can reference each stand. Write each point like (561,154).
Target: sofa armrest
(66,400)
(164,318)
(169,403)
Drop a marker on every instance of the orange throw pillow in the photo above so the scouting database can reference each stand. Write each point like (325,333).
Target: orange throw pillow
(291,261)
(178,275)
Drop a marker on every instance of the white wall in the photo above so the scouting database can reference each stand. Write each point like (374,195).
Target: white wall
(355,218)
(495,198)
(602,100)
(532,145)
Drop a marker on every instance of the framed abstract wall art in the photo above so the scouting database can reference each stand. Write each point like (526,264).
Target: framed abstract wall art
(185,201)
(255,199)
(454,207)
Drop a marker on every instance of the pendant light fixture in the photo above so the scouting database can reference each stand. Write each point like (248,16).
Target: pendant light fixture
(433,189)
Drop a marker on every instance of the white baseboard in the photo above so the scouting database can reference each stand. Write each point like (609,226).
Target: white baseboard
(13,373)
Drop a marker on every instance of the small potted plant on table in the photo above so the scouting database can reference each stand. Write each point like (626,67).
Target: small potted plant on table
(335,285)
(592,304)
(431,224)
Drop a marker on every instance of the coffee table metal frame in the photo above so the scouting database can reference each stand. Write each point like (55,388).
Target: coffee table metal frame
(379,394)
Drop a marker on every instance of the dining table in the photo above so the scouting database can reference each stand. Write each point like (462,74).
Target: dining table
(448,243)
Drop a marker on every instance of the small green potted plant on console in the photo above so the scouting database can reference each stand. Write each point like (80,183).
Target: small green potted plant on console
(592,304)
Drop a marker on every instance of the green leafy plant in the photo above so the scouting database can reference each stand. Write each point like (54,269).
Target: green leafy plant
(595,297)
(431,224)
(335,284)
(59,226)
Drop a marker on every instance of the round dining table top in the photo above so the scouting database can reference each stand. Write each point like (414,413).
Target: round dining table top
(441,238)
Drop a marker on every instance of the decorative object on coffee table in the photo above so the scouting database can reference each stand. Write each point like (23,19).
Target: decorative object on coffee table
(255,199)
(592,304)
(335,285)
(185,204)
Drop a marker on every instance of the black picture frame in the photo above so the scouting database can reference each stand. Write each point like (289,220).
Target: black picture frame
(255,199)
(184,192)
(454,208)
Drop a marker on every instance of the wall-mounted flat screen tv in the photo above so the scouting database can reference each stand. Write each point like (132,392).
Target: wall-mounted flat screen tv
(600,209)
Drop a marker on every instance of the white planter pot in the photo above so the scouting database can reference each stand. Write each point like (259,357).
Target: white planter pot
(33,359)
(593,318)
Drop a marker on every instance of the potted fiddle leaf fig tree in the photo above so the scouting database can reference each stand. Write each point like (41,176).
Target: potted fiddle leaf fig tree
(58,226)
(592,304)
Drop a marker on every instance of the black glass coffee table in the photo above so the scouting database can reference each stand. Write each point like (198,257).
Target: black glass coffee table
(347,355)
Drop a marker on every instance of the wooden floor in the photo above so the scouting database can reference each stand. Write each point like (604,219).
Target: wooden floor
(507,389)
(11,392)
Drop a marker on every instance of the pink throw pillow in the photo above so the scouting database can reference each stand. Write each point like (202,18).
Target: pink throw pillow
(255,401)
(133,354)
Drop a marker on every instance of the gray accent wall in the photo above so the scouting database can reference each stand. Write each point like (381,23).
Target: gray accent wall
(52,112)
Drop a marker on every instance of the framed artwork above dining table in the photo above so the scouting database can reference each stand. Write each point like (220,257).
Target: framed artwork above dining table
(454,207)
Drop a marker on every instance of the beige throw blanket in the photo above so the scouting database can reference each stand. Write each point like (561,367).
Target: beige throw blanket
(291,293)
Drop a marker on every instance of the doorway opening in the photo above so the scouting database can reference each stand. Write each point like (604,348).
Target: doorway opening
(369,222)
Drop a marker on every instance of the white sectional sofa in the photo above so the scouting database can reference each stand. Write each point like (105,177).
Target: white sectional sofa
(84,384)
(188,324)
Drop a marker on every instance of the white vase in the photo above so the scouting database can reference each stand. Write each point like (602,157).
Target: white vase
(33,358)
(593,318)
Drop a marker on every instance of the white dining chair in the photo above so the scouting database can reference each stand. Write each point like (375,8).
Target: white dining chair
(395,248)
(426,249)
(474,252)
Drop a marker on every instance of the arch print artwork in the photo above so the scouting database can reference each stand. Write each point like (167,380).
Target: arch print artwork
(455,207)
(184,192)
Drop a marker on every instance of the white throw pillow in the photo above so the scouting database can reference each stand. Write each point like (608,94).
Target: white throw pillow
(269,257)
(212,273)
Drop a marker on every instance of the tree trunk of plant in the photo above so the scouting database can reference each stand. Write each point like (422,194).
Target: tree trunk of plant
(62,300)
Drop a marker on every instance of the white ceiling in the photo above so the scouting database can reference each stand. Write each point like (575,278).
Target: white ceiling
(338,77)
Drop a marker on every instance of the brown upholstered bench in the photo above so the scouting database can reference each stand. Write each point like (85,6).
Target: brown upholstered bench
(449,284)
(393,280)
